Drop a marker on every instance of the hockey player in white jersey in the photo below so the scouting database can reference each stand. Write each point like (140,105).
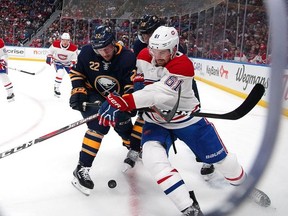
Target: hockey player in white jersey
(4,72)
(175,69)
(63,54)
(147,25)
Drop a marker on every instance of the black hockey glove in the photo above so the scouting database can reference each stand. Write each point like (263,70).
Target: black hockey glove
(78,97)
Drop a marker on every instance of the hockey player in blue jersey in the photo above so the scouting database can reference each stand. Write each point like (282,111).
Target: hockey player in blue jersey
(103,66)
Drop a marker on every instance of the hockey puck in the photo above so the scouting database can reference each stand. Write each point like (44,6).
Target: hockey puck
(112,184)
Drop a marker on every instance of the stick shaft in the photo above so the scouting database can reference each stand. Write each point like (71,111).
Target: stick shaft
(46,136)
(248,104)
(23,71)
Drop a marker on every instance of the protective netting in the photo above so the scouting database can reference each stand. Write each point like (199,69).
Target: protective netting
(210,29)
(90,9)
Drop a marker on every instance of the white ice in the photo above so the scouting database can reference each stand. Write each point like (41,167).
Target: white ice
(37,180)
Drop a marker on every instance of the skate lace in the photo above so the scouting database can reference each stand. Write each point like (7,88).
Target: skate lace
(84,173)
(206,165)
(133,155)
(191,211)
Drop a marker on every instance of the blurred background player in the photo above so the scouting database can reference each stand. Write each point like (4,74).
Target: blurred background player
(103,66)
(63,54)
(147,25)
(4,72)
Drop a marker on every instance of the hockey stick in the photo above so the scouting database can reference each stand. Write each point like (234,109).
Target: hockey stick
(23,71)
(47,136)
(248,104)
(40,70)
(168,116)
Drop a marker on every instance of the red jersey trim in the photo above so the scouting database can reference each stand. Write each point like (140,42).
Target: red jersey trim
(145,55)
(181,65)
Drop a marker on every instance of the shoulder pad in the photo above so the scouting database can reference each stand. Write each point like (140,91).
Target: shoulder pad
(144,55)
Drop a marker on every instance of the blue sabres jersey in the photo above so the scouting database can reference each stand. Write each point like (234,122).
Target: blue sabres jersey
(94,73)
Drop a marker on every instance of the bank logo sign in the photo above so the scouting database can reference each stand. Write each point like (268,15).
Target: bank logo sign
(15,51)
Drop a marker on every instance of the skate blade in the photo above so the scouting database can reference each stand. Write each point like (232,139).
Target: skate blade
(126,167)
(84,190)
(11,100)
(57,96)
(208,177)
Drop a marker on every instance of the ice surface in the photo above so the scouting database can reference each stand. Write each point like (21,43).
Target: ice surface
(37,180)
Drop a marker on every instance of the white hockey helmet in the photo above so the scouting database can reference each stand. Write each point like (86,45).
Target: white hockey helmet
(65,36)
(164,38)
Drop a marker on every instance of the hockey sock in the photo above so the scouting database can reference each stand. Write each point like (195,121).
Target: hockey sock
(90,146)
(135,140)
(231,169)
(156,161)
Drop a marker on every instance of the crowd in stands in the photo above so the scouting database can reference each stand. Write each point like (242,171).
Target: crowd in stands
(91,9)
(19,20)
(214,32)
(252,46)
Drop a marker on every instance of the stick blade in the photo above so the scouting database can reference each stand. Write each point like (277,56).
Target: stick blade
(248,104)
(251,101)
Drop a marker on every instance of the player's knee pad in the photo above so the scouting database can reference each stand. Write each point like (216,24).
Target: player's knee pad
(231,169)
(154,157)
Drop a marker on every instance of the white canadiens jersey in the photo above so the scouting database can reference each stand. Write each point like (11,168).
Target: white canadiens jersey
(64,56)
(163,92)
(3,51)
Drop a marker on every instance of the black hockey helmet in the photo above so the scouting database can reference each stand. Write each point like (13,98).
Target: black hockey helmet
(148,24)
(102,37)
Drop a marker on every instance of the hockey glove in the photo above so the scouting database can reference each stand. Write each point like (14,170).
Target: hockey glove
(78,97)
(110,108)
(107,115)
(138,82)
(73,63)
(124,103)
(49,60)
(3,65)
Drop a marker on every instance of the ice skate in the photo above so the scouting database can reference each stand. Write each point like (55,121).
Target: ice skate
(260,197)
(11,97)
(207,171)
(82,180)
(57,92)
(194,209)
(130,160)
